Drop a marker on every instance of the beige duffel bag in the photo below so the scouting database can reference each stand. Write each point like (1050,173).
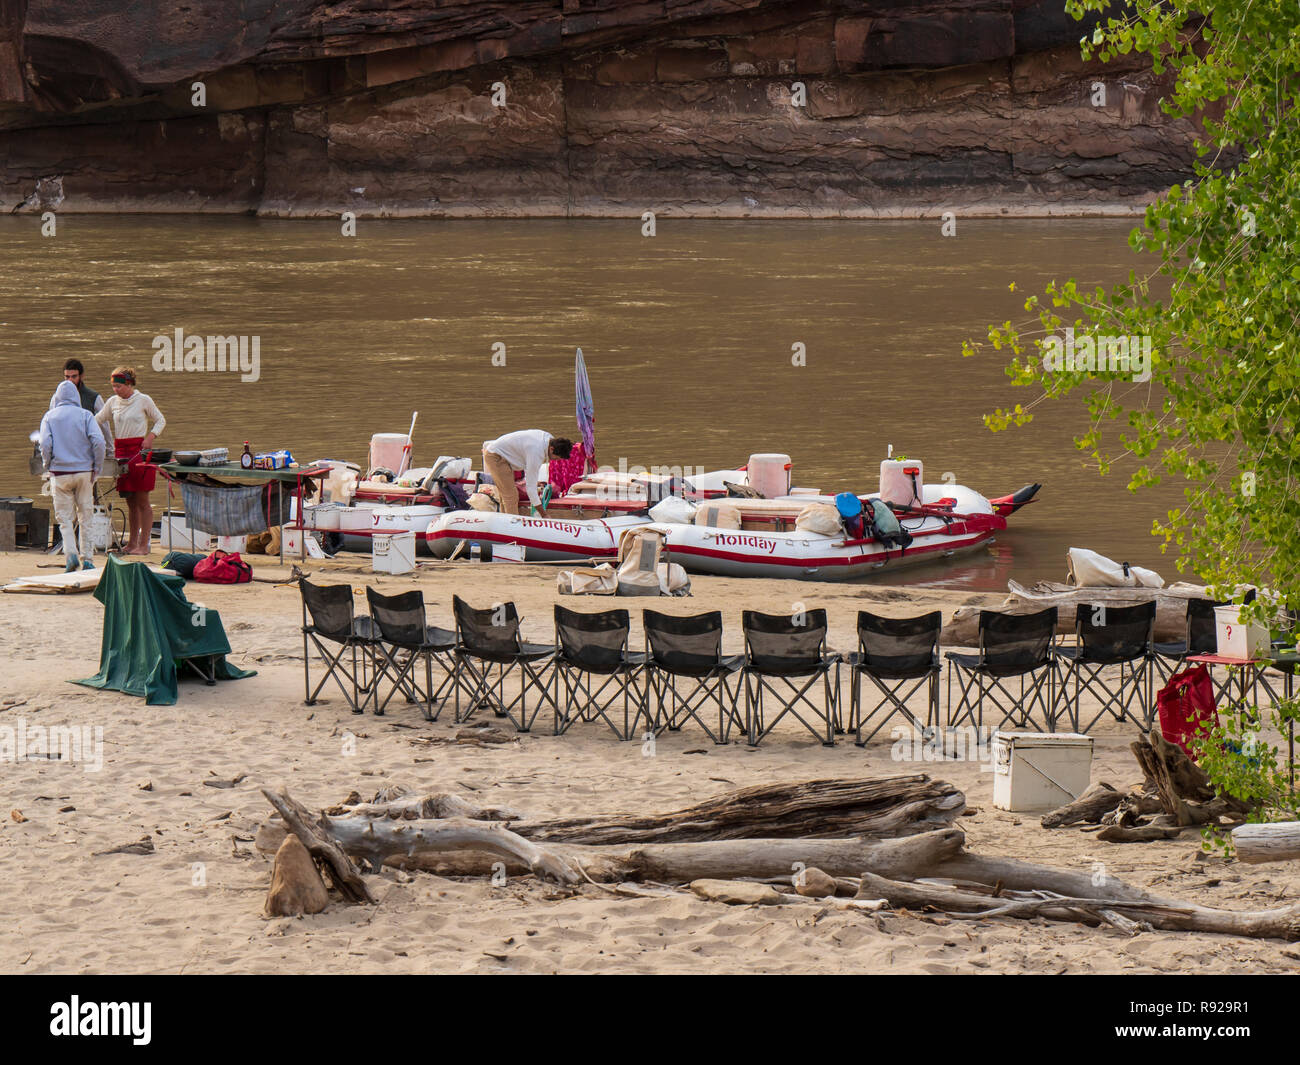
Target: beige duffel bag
(594,580)
(820,518)
(717,516)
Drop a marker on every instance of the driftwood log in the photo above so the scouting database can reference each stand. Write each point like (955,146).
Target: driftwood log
(1183,787)
(1089,807)
(1171,607)
(900,870)
(886,806)
(1275,842)
(321,845)
(1176,790)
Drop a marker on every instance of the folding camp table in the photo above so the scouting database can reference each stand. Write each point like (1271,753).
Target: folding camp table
(1250,676)
(295,475)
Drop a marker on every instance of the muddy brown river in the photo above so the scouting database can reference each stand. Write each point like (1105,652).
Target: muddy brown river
(690,338)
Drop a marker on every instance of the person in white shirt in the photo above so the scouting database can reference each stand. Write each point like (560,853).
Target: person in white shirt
(126,420)
(524,450)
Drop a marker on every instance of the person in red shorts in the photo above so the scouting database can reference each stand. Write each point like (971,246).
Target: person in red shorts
(132,421)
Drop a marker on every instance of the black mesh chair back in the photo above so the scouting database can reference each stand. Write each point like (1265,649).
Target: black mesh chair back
(690,648)
(784,644)
(1114,634)
(488,641)
(690,645)
(779,647)
(400,618)
(333,621)
(404,641)
(899,648)
(900,656)
(1201,636)
(1012,644)
(1019,646)
(595,642)
(330,607)
(597,671)
(487,632)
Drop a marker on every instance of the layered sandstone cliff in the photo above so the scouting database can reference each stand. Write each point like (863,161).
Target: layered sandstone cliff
(575,107)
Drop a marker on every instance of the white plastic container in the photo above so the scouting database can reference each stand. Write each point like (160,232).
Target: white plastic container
(183,538)
(293,543)
(508,552)
(769,474)
(1238,639)
(324,517)
(232,543)
(1039,771)
(358,519)
(393,552)
(902,481)
(101,529)
(386,451)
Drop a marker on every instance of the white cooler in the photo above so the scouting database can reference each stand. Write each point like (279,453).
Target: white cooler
(1238,639)
(393,552)
(181,536)
(1039,770)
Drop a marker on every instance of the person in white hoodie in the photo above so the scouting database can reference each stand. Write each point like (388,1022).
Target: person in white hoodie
(72,449)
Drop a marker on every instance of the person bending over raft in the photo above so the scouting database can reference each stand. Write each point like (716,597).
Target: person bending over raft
(126,418)
(524,450)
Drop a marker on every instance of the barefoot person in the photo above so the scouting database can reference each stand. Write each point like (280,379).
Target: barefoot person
(133,421)
(524,450)
(72,448)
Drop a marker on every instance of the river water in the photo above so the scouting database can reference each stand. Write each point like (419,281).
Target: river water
(689,339)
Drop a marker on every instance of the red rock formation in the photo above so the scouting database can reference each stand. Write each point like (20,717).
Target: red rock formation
(611,107)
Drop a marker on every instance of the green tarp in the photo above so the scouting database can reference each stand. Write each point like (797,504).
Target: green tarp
(149,627)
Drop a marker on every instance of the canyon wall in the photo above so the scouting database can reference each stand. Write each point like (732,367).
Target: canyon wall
(742,108)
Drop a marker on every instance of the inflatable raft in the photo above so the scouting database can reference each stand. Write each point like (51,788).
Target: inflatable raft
(950,521)
(357,526)
(543,539)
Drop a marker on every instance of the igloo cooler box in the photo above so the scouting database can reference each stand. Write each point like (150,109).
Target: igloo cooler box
(1039,770)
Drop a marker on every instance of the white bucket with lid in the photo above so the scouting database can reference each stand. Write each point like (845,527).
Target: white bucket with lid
(769,473)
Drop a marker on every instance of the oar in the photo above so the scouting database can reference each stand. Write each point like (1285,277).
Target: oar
(406,448)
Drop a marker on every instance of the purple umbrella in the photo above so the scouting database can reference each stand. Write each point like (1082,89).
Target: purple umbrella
(586,410)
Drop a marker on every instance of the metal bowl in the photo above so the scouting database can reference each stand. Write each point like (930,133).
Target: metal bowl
(186,458)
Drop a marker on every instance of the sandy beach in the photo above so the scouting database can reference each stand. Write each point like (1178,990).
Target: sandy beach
(194,905)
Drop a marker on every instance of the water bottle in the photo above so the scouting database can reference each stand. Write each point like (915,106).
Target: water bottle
(476,552)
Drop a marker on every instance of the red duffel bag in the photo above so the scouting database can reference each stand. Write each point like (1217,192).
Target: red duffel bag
(1186,701)
(223,567)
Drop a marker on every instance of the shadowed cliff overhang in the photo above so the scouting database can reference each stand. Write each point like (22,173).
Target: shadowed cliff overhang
(106,60)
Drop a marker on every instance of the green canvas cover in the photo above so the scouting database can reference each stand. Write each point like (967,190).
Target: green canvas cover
(149,626)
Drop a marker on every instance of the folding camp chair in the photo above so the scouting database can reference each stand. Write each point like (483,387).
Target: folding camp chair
(899,651)
(1200,639)
(686,649)
(785,657)
(333,621)
(404,640)
(486,640)
(592,647)
(1010,645)
(1107,636)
